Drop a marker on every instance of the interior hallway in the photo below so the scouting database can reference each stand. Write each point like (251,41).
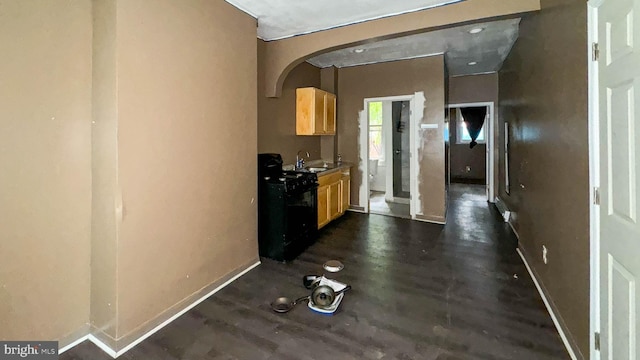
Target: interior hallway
(420,291)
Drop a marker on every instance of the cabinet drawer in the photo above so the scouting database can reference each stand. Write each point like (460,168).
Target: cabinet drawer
(329,179)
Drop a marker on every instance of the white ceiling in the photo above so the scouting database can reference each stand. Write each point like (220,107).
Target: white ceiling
(278,19)
(488,48)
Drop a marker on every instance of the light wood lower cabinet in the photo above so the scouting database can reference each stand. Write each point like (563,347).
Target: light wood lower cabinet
(345,193)
(333,196)
(334,200)
(323,206)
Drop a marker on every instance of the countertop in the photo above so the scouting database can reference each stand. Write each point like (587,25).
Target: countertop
(330,166)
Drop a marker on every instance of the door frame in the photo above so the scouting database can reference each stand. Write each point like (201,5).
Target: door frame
(490,160)
(364,150)
(594,178)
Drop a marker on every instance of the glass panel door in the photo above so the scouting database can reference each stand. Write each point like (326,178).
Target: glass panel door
(400,115)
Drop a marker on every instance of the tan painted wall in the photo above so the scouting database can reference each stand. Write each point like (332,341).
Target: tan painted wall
(283,55)
(277,116)
(473,88)
(470,89)
(187,135)
(392,79)
(172,98)
(543,95)
(45,181)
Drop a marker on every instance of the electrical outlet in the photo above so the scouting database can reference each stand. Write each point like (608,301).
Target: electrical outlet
(544,254)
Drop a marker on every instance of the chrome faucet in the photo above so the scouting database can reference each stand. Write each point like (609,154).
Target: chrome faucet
(300,160)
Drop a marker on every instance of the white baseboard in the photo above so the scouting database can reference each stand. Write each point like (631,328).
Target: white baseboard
(563,336)
(73,344)
(430,221)
(514,230)
(502,208)
(115,354)
(104,347)
(440,220)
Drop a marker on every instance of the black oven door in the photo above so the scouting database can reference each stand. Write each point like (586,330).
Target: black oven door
(301,209)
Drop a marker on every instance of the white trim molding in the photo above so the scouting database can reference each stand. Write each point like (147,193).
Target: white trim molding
(115,354)
(594,179)
(547,304)
(490,142)
(73,344)
(416,102)
(437,222)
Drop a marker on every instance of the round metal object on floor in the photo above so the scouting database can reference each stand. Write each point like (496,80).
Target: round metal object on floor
(333,266)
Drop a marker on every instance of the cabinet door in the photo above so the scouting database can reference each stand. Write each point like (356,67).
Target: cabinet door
(334,200)
(330,114)
(323,206)
(305,111)
(319,111)
(345,194)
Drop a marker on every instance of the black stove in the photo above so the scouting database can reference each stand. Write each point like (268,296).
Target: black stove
(295,181)
(287,209)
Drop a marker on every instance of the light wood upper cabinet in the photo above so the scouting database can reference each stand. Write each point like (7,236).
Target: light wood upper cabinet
(315,112)
(319,112)
(330,122)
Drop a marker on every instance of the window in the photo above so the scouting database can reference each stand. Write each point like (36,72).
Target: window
(446,131)
(463,134)
(376,145)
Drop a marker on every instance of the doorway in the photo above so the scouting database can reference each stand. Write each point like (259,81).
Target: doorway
(388,155)
(468,165)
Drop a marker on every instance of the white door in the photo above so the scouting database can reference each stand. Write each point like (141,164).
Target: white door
(618,24)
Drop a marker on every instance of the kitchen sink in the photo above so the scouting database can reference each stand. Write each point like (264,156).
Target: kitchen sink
(317,169)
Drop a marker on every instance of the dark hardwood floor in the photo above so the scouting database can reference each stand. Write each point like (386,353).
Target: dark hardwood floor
(420,291)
